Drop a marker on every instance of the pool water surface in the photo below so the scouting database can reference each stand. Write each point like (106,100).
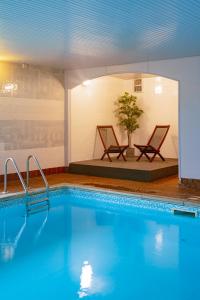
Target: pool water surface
(98,245)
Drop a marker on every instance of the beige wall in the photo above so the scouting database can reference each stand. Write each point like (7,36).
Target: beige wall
(32,116)
(159,109)
(91,106)
(94,104)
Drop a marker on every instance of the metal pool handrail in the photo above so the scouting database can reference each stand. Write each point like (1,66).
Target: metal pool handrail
(18,173)
(39,168)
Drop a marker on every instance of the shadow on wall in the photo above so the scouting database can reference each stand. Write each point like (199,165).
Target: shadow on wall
(174,139)
(123,139)
(98,147)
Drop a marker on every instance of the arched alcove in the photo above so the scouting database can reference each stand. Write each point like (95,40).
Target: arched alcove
(92,104)
(184,70)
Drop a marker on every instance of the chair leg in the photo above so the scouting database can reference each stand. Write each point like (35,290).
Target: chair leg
(109,157)
(103,156)
(106,153)
(147,156)
(161,156)
(139,156)
(152,158)
(122,154)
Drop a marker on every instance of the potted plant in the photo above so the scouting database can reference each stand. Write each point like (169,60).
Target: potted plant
(128,113)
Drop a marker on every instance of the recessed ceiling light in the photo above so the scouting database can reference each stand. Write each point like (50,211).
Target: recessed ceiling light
(86,82)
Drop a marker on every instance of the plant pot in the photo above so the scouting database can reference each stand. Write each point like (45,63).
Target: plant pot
(130,152)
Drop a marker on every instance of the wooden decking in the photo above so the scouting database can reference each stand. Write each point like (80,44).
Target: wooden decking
(131,169)
(166,187)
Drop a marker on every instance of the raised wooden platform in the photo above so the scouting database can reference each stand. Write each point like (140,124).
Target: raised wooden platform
(131,169)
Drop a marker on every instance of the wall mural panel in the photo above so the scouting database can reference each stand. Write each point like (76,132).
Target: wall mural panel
(30,134)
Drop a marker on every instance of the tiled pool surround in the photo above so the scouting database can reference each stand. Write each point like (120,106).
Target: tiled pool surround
(103,196)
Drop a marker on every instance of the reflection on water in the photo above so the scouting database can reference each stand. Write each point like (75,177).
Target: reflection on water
(9,240)
(159,240)
(43,223)
(7,251)
(11,233)
(162,245)
(86,279)
(86,252)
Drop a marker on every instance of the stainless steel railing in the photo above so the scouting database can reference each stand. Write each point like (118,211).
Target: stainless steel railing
(18,173)
(39,168)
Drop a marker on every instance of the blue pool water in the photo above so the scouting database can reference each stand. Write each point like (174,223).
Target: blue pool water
(96,245)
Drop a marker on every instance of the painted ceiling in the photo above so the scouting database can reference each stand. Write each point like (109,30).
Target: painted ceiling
(88,33)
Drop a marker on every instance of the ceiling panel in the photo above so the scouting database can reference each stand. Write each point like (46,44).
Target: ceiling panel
(87,33)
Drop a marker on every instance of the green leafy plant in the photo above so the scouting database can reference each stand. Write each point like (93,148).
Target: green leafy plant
(128,113)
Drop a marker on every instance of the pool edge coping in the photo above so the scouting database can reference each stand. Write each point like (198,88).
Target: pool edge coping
(11,196)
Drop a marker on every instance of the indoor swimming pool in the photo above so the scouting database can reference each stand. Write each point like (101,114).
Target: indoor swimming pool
(94,244)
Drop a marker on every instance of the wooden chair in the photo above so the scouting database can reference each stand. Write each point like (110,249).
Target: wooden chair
(110,142)
(154,144)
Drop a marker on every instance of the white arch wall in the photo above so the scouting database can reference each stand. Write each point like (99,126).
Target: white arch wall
(94,105)
(158,109)
(91,106)
(187,72)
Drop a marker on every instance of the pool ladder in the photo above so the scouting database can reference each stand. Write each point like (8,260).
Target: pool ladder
(32,205)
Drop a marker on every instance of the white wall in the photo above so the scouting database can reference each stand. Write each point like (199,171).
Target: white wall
(187,72)
(159,109)
(32,116)
(91,106)
(94,105)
